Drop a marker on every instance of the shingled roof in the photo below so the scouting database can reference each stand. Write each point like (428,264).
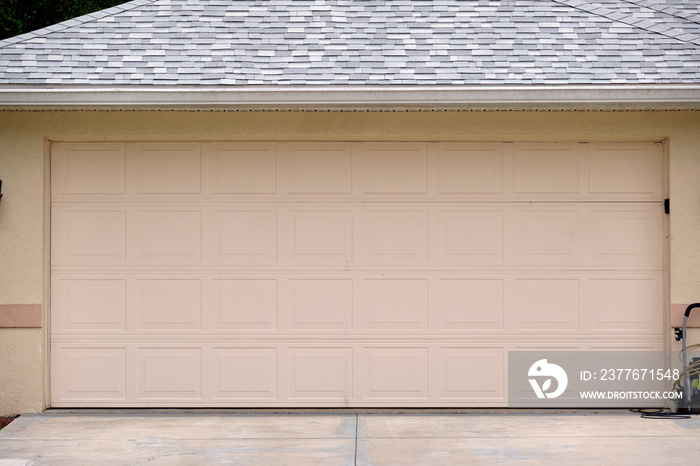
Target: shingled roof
(361,42)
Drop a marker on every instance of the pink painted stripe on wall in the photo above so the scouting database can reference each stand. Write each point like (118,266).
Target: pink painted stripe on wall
(677,312)
(20,315)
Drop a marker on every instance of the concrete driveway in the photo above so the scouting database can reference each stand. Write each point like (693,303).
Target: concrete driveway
(200,437)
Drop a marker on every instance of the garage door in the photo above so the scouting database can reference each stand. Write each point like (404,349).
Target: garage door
(343,274)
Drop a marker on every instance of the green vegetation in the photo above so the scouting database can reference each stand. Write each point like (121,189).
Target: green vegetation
(20,16)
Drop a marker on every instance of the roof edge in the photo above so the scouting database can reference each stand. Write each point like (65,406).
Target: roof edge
(77,21)
(586,97)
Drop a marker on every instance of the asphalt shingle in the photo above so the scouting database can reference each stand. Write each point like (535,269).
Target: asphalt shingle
(326,42)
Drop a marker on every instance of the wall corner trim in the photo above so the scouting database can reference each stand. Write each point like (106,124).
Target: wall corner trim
(20,315)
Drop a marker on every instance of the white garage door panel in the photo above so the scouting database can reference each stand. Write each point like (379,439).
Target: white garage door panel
(361,235)
(250,375)
(430,303)
(92,169)
(405,171)
(343,274)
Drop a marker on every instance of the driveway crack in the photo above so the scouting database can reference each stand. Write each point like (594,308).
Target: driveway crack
(357,421)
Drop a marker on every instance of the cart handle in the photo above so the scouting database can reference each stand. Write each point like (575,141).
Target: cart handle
(690,308)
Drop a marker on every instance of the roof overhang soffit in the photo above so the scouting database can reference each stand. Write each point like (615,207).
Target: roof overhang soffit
(352,98)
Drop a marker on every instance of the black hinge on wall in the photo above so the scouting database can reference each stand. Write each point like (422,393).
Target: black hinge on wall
(667,206)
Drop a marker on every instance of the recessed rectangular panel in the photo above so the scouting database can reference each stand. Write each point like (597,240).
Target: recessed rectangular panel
(170,236)
(243,237)
(321,304)
(245,304)
(247,373)
(546,236)
(626,169)
(243,168)
(396,235)
(88,168)
(89,237)
(320,373)
(168,168)
(391,168)
(319,168)
(471,237)
(627,237)
(471,304)
(90,304)
(545,168)
(170,373)
(170,304)
(547,303)
(396,304)
(471,168)
(626,304)
(90,374)
(396,373)
(320,236)
(471,373)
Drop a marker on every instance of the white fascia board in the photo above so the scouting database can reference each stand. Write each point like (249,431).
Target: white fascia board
(619,97)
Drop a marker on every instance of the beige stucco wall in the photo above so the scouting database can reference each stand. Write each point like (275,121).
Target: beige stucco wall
(23,209)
